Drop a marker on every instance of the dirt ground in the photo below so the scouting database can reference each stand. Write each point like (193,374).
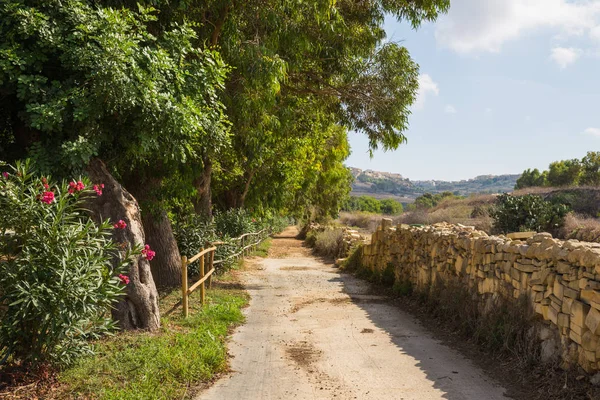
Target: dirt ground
(314,333)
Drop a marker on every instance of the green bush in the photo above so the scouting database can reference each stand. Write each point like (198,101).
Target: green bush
(57,282)
(234,222)
(193,233)
(527,213)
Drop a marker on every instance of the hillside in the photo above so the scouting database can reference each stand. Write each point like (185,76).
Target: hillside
(386,184)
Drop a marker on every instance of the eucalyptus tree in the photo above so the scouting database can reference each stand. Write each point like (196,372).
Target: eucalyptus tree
(327,60)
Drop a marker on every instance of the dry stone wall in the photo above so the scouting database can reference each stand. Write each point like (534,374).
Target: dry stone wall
(560,278)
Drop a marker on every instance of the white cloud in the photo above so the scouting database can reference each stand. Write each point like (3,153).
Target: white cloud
(592,131)
(565,56)
(488,111)
(450,109)
(478,25)
(426,86)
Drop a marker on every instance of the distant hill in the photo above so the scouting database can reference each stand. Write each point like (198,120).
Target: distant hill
(386,184)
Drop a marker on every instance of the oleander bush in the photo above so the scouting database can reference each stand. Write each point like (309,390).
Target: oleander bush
(57,281)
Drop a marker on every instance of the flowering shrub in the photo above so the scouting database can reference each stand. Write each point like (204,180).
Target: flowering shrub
(57,283)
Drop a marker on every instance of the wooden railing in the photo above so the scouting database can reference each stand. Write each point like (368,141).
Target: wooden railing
(204,276)
(245,244)
(206,257)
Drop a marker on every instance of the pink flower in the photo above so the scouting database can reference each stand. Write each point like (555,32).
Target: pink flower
(124,279)
(98,189)
(47,197)
(5,175)
(76,186)
(148,253)
(120,225)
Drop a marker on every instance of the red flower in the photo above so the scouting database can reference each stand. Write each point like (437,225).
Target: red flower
(148,253)
(76,186)
(124,279)
(98,189)
(120,225)
(47,197)
(5,175)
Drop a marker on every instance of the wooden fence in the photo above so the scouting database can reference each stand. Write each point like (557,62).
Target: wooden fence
(206,257)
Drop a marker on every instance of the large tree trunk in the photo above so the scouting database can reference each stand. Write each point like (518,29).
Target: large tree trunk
(138,309)
(166,265)
(203,202)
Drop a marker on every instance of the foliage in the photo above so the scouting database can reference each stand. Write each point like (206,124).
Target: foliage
(234,222)
(531,178)
(590,165)
(429,200)
(372,205)
(57,282)
(193,233)
(362,203)
(391,207)
(161,366)
(565,173)
(95,81)
(527,213)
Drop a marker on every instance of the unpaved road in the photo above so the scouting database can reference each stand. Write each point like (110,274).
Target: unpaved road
(313,333)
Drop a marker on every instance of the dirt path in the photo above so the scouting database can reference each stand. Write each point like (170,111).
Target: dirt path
(313,333)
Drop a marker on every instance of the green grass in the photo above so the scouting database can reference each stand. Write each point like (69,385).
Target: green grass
(262,250)
(164,365)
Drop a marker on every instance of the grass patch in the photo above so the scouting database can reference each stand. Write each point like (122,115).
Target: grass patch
(262,250)
(165,365)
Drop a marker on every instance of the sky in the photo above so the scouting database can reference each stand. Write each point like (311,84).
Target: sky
(505,85)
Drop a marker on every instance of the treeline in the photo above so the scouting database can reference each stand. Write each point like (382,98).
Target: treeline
(185,108)
(573,172)
(372,205)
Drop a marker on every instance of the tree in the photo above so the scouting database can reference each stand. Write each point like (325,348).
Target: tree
(391,207)
(81,81)
(531,178)
(590,165)
(564,173)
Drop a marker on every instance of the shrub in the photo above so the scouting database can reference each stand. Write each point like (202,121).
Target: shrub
(57,282)
(234,222)
(527,213)
(391,207)
(330,243)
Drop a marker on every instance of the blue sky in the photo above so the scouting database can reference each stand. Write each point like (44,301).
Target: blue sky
(505,85)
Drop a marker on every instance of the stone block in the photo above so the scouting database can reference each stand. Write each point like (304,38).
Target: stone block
(592,321)
(558,289)
(563,320)
(579,312)
(589,341)
(553,315)
(574,336)
(566,305)
(568,292)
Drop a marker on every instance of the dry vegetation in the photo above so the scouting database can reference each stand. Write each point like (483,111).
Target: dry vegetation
(474,211)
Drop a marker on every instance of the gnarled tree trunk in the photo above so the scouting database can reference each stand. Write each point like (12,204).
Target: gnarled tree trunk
(166,265)
(138,309)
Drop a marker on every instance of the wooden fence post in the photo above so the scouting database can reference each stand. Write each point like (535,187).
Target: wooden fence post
(184,285)
(210,267)
(202,276)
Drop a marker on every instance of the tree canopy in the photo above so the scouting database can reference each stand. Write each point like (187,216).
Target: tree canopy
(564,173)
